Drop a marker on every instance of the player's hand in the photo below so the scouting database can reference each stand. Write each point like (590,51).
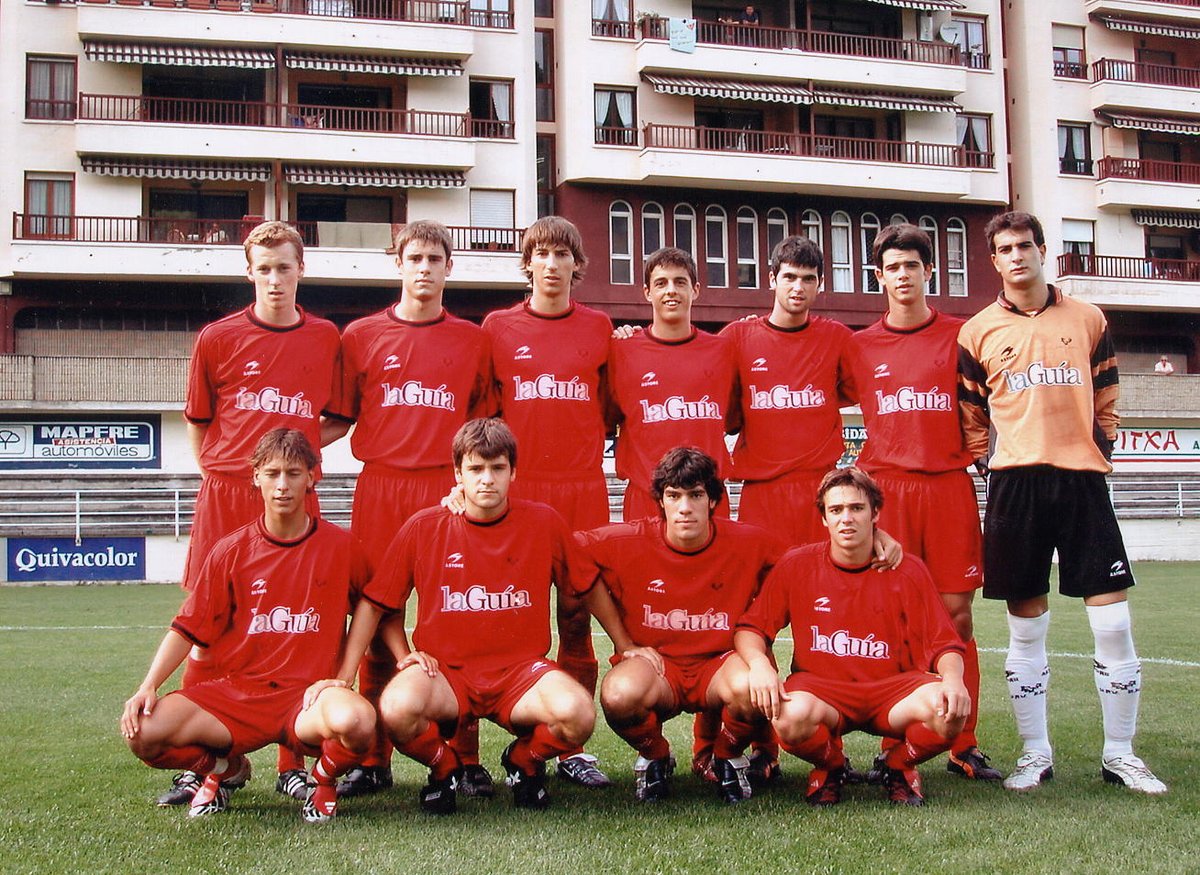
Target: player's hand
(887,554)
(140,704)
(956,701)
(766,691)
(454,500)
(649,654)
(422,660)
(624,332)
(982,469)
(316,688)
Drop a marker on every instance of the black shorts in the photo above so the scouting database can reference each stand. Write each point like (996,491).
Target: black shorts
(1033,511)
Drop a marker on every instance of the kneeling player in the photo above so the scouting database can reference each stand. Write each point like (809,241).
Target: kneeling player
(273,598)
(483,625)
(865,647)
(673,587)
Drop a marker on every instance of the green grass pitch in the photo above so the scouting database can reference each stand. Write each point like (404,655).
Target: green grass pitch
(72,798)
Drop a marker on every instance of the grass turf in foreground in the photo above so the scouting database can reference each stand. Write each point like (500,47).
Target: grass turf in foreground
(73,798)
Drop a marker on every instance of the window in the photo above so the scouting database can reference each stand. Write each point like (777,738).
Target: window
(545,174)
(491,109)
(956,257)
(543,69)
(190,213)
(810,227)
(616,117)
(493,214)
(1169,246)
(543,8)
(49,88)
(490,13)
(971,39)
(716,227)
(1078,237)
(49,204)
(747,248)
(777,228)
(898,219)
(929,226)
(868,228)
(652,228)
(620,243)
(839,238)
(1074,149)
(685,228)
(612,18)
(974,134)
(1067,51)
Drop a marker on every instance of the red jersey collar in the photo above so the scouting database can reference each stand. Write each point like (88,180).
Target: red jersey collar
(767,322)
(549,316)
(440,317)
(933,315)
(266,326)
(846,568)
(280,542)
(712,536)
(650,334)
(470,519)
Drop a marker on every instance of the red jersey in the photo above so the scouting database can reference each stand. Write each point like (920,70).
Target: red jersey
(483,588)
(247,377)
(410,385)
(853,624)
(670,393)
(276,610)
(907,381)
(791,384)
(551,376)
(682,604)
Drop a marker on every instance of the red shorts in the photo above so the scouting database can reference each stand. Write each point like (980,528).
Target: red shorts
(255,715)
(639,504)
(785,506)
(862,704)
(689,678)
(936,517)
(224,504)
(384,499)
(582,501)
(493,693)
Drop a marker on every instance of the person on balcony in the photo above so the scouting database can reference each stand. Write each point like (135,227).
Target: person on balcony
(1163,366)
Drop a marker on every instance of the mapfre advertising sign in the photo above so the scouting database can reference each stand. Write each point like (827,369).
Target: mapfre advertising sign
(90,442)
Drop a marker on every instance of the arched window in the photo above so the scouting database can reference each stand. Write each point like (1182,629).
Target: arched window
(652,228)
(897,219)
(685,228)
(810,227)
(716,257)
(929,226)
(620,243)
(777,228)
(868,229)
(840,255)
(956,258)
(747,248)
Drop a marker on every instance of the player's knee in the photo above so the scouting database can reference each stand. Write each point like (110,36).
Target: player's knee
(575,717)
(622,695)
(352,719)
(402,707)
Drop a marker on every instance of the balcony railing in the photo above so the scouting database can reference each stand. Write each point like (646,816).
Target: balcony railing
(1149,171)
(811,146)
(717,33)
(451,12)
(189,111)
(1125,267)
(1107,69)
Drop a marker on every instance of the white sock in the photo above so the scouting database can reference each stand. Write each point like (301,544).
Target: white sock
(1027,670)
(1118,675)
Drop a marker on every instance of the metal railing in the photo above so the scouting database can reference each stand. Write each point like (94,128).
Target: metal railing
(1108,69)
(444,12)
(1126,267)
(1149,171)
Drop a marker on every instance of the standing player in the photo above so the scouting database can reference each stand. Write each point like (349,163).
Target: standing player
(1039,368)
(483,582)
(268,365)
(549,355)
(673,586)
(273,598)
(671,384)
(865,645)
(411,375)
(906,375)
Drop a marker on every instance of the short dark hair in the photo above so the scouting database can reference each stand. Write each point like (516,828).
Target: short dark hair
(671,256)
(272,234)
(427,231)
(903,236)
(554,230)
(486,438)
(288,444)
(1014,220)
(683,468)
(854,477)
(797,250)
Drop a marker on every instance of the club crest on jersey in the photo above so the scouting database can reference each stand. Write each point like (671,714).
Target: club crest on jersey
(882,370)
(545,386)
(522,353)
(759,364)
(455,560)
(822,604)
(259,587)
(657,585)
(678,408)
(415,394)
(477,598)
(392,362)
(679,620)
(1038,374)
(280,619)
(783,397)
(271,400)
(908,399)
(649,379)
(842,643)
(251,368)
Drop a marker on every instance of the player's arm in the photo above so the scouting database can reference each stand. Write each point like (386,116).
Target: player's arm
(887,553)
(973,403)
(956,701)
(333,428)
(171,653)
(604,609)
(1106,389)
(393,635)
(766,690)
(196,432)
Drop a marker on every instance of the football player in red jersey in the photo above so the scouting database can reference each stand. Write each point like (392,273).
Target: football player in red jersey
(272,597)
(482,631)
(875,652)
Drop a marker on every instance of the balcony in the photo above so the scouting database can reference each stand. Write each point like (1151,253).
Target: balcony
(1118,83)
(120,382)
(1178,11)
(1131,283)
(1135,182)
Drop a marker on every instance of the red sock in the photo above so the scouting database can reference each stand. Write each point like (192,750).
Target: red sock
(966,739)
(289,759)
(430,749)
(735,734)
(765,739)
(532,750)
(819,749)
(181,758)
(920,743)
(646,737)
(334,760)
(705,726)
(466,740)
(376,669)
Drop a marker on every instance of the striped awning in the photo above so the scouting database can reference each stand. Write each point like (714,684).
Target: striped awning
(373,64)
(1157,28)
(372,177)
(177,55)
(921,4)
(765,92)
(168,168)
(883,100)
(1167,218)
(1161,123)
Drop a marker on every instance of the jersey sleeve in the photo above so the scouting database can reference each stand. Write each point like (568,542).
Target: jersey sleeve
(601,552)
(201,403)
(972,396)
(485,394)
(846,384)
(769,612)
(390,586)
(207,612)
(574,570)
(1105,384)
(345,397)
(360,569)
(929,627)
